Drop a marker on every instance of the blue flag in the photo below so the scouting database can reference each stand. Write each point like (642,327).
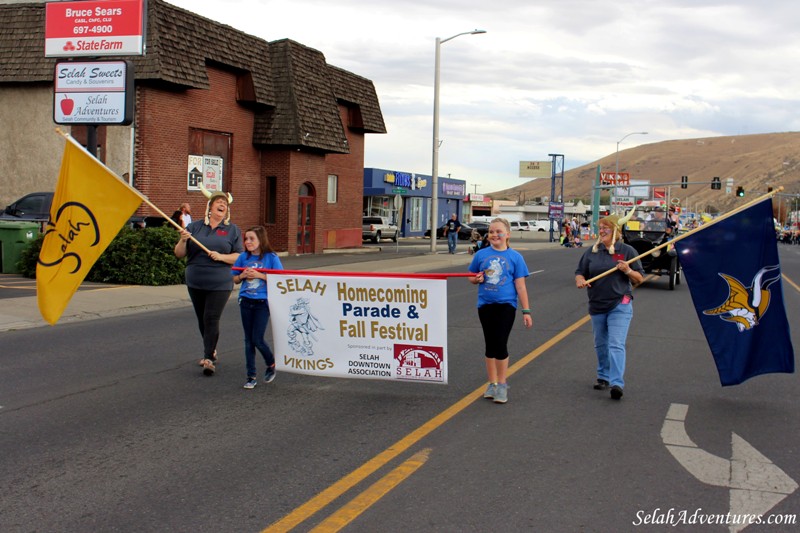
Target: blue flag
(734,276)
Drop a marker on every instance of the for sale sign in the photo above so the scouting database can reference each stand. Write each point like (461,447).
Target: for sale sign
(94,28)
(94,92)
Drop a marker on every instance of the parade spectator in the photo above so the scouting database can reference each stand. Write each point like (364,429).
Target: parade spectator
(451,232)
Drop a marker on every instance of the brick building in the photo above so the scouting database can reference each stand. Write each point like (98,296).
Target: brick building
(288,128)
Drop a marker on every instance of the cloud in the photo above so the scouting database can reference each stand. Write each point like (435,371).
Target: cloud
(569,77)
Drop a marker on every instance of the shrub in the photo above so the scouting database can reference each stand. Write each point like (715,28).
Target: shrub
(134,257)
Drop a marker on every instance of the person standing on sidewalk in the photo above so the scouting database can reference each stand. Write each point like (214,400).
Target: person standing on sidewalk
(451,231)
(253,304)
(500,274)
(208,276)
(610,300)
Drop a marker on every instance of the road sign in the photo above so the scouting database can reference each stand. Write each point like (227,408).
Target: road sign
(398,190)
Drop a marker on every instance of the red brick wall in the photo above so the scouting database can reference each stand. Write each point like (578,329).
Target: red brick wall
(162,146)
(164,118)
(342,222)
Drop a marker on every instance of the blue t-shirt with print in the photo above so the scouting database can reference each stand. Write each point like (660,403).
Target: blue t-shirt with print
(500,269)
(255,289)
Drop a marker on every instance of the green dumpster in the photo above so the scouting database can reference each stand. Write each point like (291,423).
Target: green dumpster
(14,238)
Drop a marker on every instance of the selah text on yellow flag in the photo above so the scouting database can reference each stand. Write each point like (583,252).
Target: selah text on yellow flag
(90,206)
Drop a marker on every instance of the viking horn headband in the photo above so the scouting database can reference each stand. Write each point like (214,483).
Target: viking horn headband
(208,193)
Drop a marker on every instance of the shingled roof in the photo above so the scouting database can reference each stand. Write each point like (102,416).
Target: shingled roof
(292,90)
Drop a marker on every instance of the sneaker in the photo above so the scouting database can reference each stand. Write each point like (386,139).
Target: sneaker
(501,394)
(213,358)
(601,385)
(616,392)
(251,383)
(491,390)
(269,375)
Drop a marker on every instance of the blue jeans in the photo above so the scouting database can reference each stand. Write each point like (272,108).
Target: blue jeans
(255,316)
(452,238)
(610,333)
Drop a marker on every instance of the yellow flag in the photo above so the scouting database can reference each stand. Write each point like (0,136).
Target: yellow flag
(90,206)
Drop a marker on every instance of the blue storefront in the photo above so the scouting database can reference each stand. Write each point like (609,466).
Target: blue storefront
(405,198)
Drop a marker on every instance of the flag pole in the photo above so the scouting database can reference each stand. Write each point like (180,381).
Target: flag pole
(144,198)
(692,232)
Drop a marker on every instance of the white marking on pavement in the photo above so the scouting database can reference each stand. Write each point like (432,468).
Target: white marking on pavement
(756,484)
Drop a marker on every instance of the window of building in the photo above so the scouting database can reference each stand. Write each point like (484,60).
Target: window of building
(203,142)
(271,200)
(333,188)
(414,206)
(379,206)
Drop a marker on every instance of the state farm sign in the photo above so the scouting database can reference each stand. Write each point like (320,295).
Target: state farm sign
(94,28)
(94,92)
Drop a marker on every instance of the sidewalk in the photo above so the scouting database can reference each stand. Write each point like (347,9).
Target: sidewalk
(104,302)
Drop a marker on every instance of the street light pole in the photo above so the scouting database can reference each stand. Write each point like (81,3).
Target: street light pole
(616,171)
(435,165)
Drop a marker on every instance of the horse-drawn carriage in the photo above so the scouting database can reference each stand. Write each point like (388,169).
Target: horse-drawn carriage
(647,228)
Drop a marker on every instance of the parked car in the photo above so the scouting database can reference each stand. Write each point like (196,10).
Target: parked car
(464,233)
(520,225)
(377,228)
(542,225)
(34,207)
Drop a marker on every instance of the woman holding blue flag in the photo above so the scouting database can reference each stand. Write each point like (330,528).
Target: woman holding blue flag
(610,299)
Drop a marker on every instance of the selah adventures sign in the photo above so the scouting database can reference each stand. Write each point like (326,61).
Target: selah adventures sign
(98,92)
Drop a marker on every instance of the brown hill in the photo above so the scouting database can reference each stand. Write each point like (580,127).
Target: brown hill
(755,162)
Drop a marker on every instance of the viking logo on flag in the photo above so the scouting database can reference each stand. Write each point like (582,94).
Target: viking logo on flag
(745,306)
(745,325)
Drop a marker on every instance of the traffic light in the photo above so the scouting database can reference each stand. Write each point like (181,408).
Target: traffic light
(740,191)
(684,182)
(715,183)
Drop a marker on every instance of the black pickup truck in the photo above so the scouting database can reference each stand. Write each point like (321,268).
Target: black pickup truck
(35,207)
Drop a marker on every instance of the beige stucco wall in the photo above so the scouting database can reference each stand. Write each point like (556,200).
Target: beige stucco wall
(30,148)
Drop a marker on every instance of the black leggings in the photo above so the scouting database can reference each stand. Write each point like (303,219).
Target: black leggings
(497,321)
(208,306)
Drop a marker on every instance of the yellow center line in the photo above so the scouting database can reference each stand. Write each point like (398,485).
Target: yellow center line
(378,490)
(790,282)
(324,498)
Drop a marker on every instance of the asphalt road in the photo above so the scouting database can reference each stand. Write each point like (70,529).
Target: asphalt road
(109,426)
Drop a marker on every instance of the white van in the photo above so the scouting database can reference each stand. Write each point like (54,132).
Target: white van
(542,225)
(520,225)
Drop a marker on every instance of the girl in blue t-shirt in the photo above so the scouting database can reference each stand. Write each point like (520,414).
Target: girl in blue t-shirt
(258,255)
(500,276)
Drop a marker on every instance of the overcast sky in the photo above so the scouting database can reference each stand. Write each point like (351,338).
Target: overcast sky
(571,77)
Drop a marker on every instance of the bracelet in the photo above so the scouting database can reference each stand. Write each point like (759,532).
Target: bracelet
(526,311)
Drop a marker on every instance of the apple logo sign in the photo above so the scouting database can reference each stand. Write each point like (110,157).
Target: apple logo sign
(67,105)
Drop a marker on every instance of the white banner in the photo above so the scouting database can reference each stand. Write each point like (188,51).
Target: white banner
(388,328)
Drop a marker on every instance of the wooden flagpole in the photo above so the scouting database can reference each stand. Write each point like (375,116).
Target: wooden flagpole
(692,232)
(144,198)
